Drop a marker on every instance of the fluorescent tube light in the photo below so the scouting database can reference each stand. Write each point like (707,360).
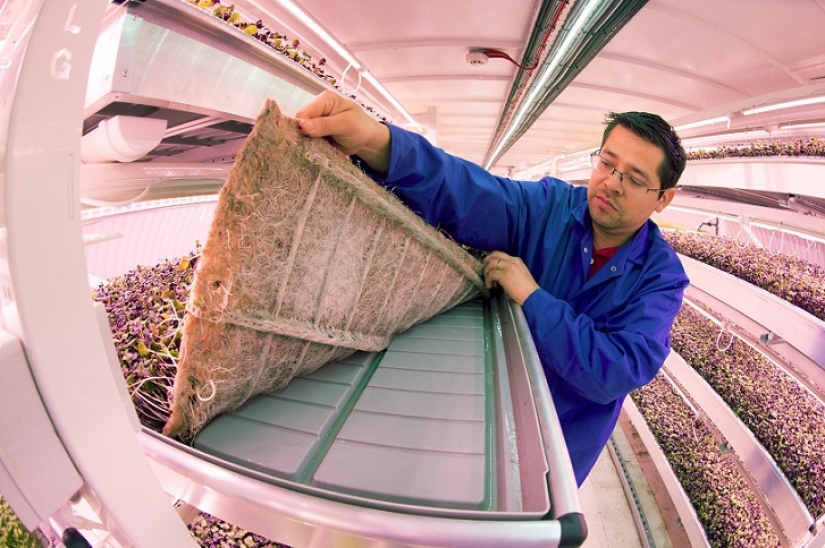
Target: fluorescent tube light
(703,312)
(332,42)
(99,212)
(383,91)
(784,105)
(581,153)
(794,125)
(562,163)
(726,136)
(574,166)
(708,122)
(319,31)
(706,212)
(780,228)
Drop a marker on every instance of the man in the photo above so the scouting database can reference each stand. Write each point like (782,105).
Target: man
(599,286)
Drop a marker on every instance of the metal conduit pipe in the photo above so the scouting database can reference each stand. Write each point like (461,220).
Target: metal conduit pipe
(547,18)
(606,23)
(607,19)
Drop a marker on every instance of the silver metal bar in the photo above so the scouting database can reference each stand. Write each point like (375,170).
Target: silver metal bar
(561,478)
(301,519)
(799,328)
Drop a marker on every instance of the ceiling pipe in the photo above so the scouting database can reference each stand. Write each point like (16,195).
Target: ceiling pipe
(532,51)
(546,21)
(572,49)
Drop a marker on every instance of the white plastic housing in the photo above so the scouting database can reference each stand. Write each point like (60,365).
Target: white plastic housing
(121,139)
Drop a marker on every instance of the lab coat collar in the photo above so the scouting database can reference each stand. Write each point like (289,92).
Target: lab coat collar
(631,251)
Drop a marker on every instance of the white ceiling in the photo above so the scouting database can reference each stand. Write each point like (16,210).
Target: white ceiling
(683,60)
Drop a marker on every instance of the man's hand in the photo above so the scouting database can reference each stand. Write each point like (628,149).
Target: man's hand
(511,274)
(349,127)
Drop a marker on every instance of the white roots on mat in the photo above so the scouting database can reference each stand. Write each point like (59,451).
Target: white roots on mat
(307,260)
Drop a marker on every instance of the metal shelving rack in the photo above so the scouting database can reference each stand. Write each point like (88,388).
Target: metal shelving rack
(80,448)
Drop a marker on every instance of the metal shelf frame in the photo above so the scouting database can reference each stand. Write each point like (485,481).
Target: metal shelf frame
(47,307)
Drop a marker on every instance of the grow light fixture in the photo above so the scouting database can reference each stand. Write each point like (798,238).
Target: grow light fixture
(702,123)
(559,162)
(792,232)
(784,105)
(706,212)
(703,312)
(339,48)
(750,133)
(96,213)
(367,75)
(801,125)
(316,28)
(532,171)
(573,166)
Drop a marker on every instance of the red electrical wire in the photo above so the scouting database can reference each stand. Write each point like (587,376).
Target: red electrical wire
(498,54)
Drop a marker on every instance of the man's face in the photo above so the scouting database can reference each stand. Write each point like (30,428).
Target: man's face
(618,209)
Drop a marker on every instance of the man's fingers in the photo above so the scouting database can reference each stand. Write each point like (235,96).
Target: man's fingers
(314,127)
(328,115)
(322,105)
(348,127)
(338,124)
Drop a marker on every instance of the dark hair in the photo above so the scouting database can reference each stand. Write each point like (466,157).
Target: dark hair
(653,129)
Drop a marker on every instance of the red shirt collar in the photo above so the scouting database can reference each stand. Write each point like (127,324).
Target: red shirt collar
(600,257)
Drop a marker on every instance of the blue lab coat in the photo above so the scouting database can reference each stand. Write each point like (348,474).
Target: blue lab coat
(598,339)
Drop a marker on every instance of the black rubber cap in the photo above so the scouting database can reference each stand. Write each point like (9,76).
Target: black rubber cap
(573,529)
(73,539)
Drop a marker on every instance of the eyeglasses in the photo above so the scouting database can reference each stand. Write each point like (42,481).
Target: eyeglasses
(606,168)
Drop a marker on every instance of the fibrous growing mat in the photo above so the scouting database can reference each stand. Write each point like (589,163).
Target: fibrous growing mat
(307,260)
